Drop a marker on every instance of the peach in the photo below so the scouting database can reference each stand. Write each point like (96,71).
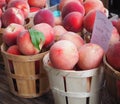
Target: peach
(11,32)
(64,2)
(116,23)
(1,12)
(90,56)
(25,44)
(44,16)
(113,56)
(58,31)
(115,36)
(0,23)
(37,3)
(12,15)
(73,37)
(48,32)
(2,3)
(20,4)
(63,55)
(14,50)
(93,4)
(73,22)
(7,1)
(72,7)
(88,21)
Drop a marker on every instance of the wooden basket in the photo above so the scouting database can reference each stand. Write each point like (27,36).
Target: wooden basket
(112,77)
(26,76)
(75,87)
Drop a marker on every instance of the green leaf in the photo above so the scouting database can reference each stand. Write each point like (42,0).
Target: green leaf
(37,38)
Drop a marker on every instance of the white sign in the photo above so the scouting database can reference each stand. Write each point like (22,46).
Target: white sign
(102,31)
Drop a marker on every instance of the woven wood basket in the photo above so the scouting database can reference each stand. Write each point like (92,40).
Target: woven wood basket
(26,76)
(75,87)
(112,77)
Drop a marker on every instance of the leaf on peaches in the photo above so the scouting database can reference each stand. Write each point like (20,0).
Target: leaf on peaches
(37,38)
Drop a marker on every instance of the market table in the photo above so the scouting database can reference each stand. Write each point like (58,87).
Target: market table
(6,97)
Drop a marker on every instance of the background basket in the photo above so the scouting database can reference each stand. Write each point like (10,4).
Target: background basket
(75,87)
(112,77)
(26,76)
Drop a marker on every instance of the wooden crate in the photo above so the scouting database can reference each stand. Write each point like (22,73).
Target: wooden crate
(26,75)
(75,87)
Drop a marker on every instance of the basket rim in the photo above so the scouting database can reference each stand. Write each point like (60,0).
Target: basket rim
(111,70)
(71,73)
(21,57)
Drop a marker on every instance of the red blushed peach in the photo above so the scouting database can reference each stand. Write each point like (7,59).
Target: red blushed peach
(58,31)
(14,50)
(11,32)
(115,36)
(73,22)
(12,15)
(0,12)
(72,7)
(64,2)
(44,16)
(116,23)
(88,21)
(73,37)
(20,4)
(90,56)
(93,4)
(48,32)
(37,3)
(63,55)
(2,3)
(25,44)
(113,56)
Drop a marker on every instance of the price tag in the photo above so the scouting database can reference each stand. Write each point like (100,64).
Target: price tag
(102,31)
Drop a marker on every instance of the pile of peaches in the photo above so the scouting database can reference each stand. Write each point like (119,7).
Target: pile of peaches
(63,36)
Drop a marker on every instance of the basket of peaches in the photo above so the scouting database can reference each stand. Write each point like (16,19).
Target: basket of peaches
(23,51)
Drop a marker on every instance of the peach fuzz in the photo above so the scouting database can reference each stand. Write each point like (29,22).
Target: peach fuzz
(72,7)
(14,50)
(20,4)
(63,55)
(37,3)
(44,16)
(25,44)
(90,56)
(12,15)
(73,22)
(113,56)
(11,32)
(93,4)
(58,31)
(73,37)
(48,32)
